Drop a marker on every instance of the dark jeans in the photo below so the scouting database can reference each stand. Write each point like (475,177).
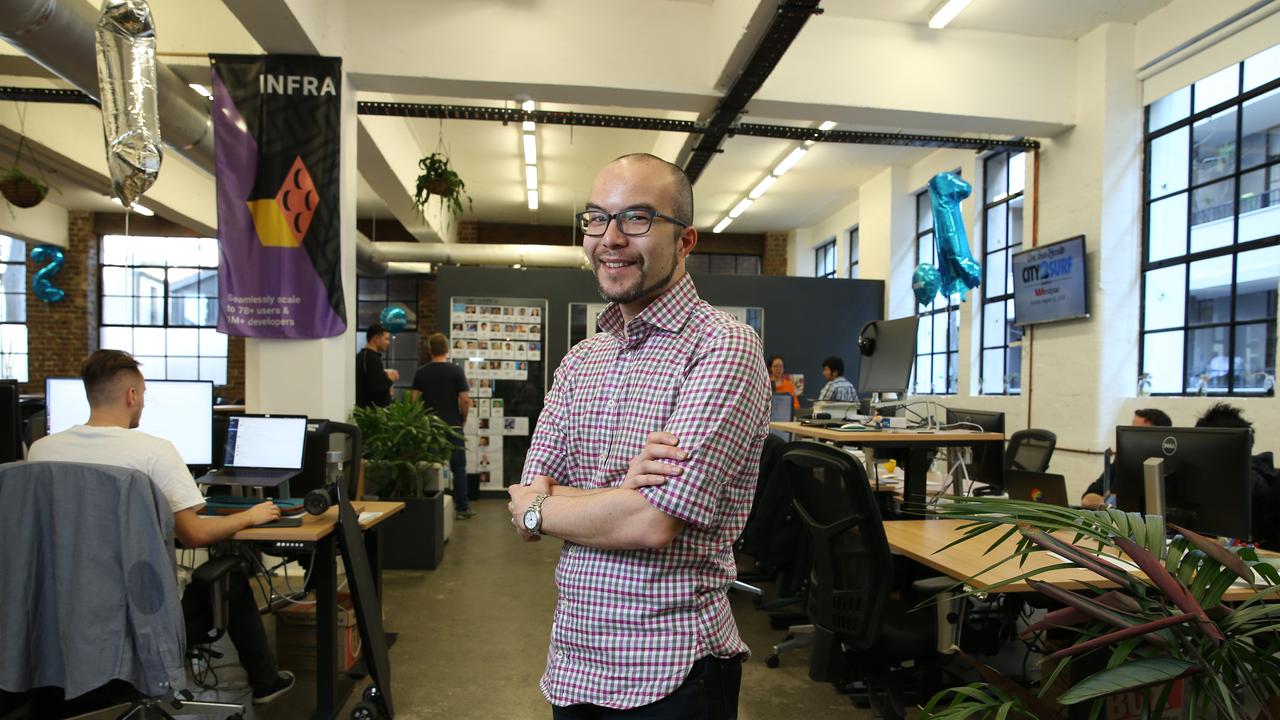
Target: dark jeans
(244,625)
(458,466)
(709,692)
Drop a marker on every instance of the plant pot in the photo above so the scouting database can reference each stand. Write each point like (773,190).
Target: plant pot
(413,539)
(439,187)
(22,192)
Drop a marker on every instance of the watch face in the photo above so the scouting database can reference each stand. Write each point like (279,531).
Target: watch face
(531,520)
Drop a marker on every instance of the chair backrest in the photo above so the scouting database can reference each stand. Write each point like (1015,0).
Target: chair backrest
(1030,450)
(852,566)
(87,570)
(772,504)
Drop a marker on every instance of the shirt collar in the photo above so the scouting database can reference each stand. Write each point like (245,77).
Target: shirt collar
(668,311)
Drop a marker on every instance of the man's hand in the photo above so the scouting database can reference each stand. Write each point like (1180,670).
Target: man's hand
(647,468)
(263,512)
(393,374)
(521,498)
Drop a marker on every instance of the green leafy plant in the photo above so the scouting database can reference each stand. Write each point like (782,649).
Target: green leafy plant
(21,189)
(438,178)
(401,443)
(1169,623)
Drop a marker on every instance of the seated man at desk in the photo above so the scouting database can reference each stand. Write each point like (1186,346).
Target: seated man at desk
(115,388)
(1093,498)
(838,387)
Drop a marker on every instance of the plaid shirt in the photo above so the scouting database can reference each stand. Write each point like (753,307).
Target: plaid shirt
(629,624)
(838,390)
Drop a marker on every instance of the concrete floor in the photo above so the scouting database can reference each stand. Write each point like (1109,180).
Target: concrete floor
(472,638)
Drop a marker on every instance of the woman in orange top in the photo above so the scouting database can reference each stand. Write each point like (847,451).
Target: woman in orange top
(782,383)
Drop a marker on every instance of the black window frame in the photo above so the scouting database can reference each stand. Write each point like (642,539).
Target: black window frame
(824,259)
(1003,301)
(951,352)
(405,355)
(855,251)
(19,263)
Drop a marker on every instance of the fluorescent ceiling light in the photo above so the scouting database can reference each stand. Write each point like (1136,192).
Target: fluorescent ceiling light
(720,226)
(527,106)
(530,150)
(527,126)
(827,125)
(531,177)
(202,90)
(533,199)
(740,208)
(764,185)
(137,207)
(789,162)
(947,12)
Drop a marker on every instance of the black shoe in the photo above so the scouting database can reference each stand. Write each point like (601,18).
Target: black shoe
(283,684)
(465,514)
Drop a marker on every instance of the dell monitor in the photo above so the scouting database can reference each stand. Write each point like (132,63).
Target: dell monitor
(888,350)
(986,420)
(988,460)
(180,411)
(1208,484)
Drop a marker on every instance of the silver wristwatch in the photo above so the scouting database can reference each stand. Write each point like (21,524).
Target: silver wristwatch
(533,516)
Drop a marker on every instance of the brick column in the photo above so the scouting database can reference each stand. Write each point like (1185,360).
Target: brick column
(427,320)
(61,335)
(468,232)
(233,391)
(775,254)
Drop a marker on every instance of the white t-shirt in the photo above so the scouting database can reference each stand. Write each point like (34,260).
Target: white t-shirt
(133,449)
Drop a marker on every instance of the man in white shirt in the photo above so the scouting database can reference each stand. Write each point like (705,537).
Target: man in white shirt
(116,389)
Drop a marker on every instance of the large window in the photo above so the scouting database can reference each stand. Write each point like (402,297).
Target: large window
(1004,178)
(938,334)
(855,252)
(722,264)
(824,259)
(160,303)
(1211,256)
(13,311)
(375,294)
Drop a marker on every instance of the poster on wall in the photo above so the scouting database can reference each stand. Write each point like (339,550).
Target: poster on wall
(582,319)
(276,132)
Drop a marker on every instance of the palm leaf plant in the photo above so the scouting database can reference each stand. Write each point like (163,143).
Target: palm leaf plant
(401,442)
(1166,624)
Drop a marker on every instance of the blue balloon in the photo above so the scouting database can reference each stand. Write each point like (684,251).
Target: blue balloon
(42,283)
(925,282)
(394,318)
(960,272)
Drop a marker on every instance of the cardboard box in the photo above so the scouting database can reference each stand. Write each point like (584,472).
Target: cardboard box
(296,635)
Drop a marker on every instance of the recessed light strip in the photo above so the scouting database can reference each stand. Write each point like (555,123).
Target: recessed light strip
(530,156)
(763,186)
(946,12)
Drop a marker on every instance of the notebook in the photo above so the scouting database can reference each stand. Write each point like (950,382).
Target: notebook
(261,450)
(1037,487)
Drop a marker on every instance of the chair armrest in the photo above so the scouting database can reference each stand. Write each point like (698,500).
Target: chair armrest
(926,587)
(216,569)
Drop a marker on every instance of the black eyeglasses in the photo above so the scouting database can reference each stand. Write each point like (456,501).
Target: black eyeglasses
(636,221)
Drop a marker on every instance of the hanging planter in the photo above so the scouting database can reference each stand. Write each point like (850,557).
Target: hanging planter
(21,190)
(439,179)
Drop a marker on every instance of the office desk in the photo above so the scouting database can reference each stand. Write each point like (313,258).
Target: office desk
(920,540)
(917,443)
(317,531)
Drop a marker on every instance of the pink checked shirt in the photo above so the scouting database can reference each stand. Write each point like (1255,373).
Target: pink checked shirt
(629,624)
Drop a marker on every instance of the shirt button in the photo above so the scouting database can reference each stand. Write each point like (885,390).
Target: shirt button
(604,456)
(611,403)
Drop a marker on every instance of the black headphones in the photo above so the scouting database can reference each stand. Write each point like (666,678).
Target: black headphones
(867,345)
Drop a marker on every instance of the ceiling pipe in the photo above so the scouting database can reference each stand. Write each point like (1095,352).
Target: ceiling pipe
(60,35)
(479,254)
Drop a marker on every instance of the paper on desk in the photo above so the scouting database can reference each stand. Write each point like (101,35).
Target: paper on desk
(370,515)
(1129,567)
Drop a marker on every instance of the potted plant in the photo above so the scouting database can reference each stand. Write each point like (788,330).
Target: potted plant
(405,443)
(22,190)
(438,178)
(1148,631)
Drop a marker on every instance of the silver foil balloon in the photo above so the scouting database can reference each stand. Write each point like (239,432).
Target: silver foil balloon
(126,40)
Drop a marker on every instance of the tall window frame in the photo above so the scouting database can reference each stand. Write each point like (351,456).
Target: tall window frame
(158,300)
(13,309)
(938,327)
(855,252)
(1004,183)
(1211,234)
(375,293)
(824,259)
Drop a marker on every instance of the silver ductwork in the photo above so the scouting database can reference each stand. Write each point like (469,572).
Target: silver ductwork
(59,34)
(471,254)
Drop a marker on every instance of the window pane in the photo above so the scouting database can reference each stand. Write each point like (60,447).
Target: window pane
(695,263)
(953,360)
(1013,369)
(1164,299)
(997,272)
(1260,203)
(723,264)
(993,325)
(923,374)
(997,177)
(997,227)
(1213,220)
(1168,171)
(117,281)
(924,334)
(938,383)
(148,341)
(939,332)
(1015,221)
(924,212)
(1209,291)
(1169,109)
(13,339)
(1255,358)
(1167,230)
(1262,68)
(924,249)
(214,369)
(152,367)
(213,343)
(1162,360)
(13,307)
(1015,332)
(1218,87)
(748,265)
(117,311)
(1207,364)
(1214,147)
(1256,278)
(12,249)
(1017,173)
(183,368)
(116,338)
(993,371)
(371,288)
(183,343)
(953,319)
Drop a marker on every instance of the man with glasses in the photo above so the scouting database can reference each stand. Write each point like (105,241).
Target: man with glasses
(644,461)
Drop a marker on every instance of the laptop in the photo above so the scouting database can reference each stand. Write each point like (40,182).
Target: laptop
(261,450)
(1037,487)
(781,409)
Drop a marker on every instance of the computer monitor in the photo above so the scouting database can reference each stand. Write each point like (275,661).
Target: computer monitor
(888,350)
(987,420)
(988,459)
(781,409)
(10,422)
(1208,485)
(180,411)
(265,441)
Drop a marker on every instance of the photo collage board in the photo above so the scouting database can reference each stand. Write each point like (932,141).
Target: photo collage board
(499,344)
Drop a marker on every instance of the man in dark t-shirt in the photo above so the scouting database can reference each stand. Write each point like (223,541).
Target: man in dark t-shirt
(442,386)
(373,383)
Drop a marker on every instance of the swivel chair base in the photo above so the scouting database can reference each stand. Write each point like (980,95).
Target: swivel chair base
(149,708)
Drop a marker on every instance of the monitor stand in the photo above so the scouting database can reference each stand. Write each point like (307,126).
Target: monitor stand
(1153,486)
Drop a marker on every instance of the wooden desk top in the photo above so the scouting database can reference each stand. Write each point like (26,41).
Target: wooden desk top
(316,527)
(872,437)
(920,540)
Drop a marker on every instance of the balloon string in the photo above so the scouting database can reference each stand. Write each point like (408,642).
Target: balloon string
(127,212)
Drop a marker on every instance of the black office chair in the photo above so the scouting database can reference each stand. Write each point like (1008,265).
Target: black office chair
(1030,450)
(867,614)
(755,531)
(90,546)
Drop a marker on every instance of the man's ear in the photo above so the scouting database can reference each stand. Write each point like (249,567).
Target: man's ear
(688,239)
